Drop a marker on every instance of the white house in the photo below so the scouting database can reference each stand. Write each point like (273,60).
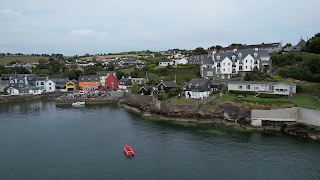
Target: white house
(50,86)
(279,88)
(166,63)
(180,61)
(197,88)
(226,65)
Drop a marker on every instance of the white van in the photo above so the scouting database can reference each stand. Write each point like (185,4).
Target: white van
(83,92)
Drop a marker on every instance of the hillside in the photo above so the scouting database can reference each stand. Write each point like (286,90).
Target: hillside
(8,59)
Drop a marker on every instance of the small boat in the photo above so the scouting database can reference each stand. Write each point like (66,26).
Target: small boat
(128,151)
(78,103)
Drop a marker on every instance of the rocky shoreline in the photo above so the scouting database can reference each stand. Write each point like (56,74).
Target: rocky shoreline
(226,115)
(229,116)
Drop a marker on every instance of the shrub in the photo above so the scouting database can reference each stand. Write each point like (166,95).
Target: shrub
(243,92)
(264,95)
(162,96)
(266,101)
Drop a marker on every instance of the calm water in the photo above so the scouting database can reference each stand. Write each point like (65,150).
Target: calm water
(40,140)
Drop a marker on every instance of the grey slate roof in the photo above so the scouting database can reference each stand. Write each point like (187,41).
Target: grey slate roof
(197,85)
(60,80)
(86,78)
(168,83)
(261,53)
(105,73)
(207,60)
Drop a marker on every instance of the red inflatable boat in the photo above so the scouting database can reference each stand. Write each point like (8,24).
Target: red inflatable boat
(129,152)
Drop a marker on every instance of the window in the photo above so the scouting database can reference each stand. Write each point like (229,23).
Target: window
(239,87)
(224,70)
(246,61)
(42,83)
(248,87)
(240,67)
(228,69)
(246,67)
(37,83)
(49,83)
(224,64)
(228,64)
(20,85)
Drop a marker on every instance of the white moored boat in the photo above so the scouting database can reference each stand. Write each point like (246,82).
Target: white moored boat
(78,103)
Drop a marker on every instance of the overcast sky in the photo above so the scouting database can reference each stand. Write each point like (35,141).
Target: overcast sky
(77,27)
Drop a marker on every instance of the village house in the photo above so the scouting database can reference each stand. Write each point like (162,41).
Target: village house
(166,85)
(279,88)
(56,84)
(226,65)
(111,81)
(103,75)
(166,63)
(72,85)
(125,83)
(89,82)
(197,89)
(270,47)
(148,90)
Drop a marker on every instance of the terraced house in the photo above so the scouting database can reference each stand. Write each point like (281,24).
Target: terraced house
(226,65)
(89,82)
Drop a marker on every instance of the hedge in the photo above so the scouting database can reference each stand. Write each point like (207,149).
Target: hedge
(243,92)
(267,101)
(264,95)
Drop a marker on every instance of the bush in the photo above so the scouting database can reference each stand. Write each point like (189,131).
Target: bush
(243,92)
(264,95)
(267,101)
(162,96)
(215,92)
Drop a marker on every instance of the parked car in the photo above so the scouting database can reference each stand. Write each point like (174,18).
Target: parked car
(83,92)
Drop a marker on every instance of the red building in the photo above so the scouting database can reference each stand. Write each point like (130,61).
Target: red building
(111,82)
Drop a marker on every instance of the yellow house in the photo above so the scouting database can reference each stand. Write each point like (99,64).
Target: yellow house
(103,75)
(72,85)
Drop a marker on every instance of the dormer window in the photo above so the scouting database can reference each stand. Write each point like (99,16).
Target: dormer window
(197,85)
(218,57)
(233,57)
(240,55)
(255,55)
(89,78)
(190,85)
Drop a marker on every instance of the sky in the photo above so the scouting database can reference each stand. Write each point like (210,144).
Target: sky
(77,27)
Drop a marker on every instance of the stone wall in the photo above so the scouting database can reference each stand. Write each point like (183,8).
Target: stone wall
(176,107)
(87,100)
(137,99)
(288,114)
(117,94)
(297,114)
(309,116)
(8,98)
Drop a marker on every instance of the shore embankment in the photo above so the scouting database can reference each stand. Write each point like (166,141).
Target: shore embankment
(223,114)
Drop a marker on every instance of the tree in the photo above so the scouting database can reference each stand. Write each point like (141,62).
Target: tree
(135,88)
(152,78)
(287,45)
(110,67)
(90,70)
(199,51)
(218,47)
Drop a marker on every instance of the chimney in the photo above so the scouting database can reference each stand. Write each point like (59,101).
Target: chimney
(256,49)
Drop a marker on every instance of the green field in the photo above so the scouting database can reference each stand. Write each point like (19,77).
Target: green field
(8,59)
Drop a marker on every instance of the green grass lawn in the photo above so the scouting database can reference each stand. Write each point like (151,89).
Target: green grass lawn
(305,101)
(176,100)
(299,100)
(8,59)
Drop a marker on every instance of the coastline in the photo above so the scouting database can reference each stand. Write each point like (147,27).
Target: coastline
(297,129)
